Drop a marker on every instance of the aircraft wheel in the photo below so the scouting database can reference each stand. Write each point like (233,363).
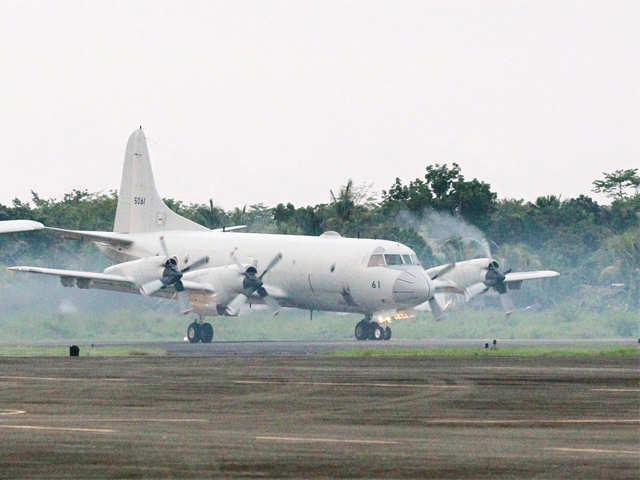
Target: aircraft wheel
(362,330)
(376,332)
(206,332)
(386,333)
(193,332)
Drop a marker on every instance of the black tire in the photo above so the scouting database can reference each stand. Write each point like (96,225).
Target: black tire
(376,332)
(362,330)
(206,332)
(193,332)
(387,334)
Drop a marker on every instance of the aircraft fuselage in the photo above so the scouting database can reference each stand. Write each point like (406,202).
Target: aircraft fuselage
(329,272)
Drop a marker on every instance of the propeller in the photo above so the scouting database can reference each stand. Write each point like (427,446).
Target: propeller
(436,309)
(444,270)
(494,278)
(172,276)
(252,283)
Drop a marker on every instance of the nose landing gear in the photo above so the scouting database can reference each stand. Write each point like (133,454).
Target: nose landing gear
(368,330)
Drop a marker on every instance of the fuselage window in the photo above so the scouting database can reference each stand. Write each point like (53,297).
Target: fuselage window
(376,261)
(407,259)
(393,259)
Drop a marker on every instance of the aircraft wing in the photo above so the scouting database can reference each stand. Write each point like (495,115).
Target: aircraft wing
(104,281)
(520,276)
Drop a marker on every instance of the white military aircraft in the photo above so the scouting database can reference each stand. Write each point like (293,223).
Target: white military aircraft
(217,272)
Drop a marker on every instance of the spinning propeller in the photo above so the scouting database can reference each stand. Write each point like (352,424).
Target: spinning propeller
(495,279)
(172,276)
(436,309)
(252,283)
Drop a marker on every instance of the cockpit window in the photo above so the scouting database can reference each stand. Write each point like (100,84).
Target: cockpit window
(376,261)
(415,259)
(407,259)
(393,259)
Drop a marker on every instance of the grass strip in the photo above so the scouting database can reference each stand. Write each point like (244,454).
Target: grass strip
(85,351)
(448,352)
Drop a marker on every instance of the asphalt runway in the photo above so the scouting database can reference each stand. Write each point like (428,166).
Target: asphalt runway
(301,415)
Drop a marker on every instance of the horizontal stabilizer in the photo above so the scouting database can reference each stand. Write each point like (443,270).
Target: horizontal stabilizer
(111,238)
(233,228)
(14,226)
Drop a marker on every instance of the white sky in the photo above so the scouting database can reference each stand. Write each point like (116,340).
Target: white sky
(273,101)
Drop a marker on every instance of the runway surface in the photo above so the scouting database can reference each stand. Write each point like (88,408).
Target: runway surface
(294,414)
(323,347)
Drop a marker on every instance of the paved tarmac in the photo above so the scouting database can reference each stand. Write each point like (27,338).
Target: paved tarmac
(301,415)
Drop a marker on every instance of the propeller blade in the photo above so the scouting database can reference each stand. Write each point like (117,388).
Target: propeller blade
(183,302)
(475,290)
(233,308)
(444,270)
(234,259)
(151,287)
(273,304)
(196,264)
(272,264)
(436,309)
(507,303)
(163,245)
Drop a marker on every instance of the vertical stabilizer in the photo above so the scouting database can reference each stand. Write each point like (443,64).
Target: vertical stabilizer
(140,208)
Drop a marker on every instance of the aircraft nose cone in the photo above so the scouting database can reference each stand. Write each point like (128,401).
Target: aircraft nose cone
(410,288)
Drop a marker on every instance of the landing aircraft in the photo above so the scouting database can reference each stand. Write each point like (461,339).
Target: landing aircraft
(220,271)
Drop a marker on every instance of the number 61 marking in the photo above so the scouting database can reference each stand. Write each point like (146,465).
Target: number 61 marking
(375,284)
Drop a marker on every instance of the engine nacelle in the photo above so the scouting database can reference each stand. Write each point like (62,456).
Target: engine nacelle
(142,270)
(226,281)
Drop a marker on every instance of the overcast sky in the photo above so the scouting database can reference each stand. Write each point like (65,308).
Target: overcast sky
(270,101)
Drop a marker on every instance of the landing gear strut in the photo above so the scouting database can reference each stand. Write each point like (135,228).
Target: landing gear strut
(368,330)
(200,332)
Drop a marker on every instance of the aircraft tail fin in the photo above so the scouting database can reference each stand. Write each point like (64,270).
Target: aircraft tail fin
(140,208)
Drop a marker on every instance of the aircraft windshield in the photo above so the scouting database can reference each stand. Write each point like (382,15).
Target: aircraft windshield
(392,259)
(376,261)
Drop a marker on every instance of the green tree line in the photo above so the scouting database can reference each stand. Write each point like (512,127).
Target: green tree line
(442,216)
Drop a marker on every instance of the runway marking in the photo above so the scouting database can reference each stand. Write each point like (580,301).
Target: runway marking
(560,369)
(12,412)
(62,379)
(58,429)
(346,384)
(615,389)
(326,440)
(463,421)
(149,420)
(595,450)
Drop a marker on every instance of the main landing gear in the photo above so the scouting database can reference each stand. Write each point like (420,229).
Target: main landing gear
(200,332)
(368,330)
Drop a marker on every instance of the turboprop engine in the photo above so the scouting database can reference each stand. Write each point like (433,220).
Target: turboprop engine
(140,271)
